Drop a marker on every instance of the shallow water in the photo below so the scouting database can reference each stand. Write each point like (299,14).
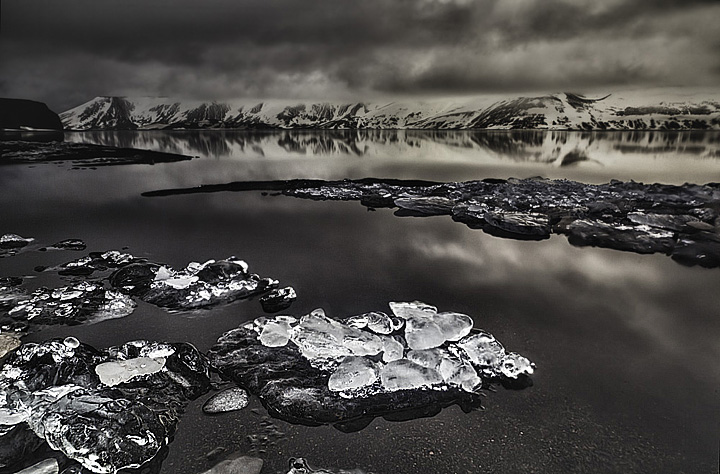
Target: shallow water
(626,345)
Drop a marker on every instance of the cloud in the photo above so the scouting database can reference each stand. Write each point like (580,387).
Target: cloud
(67,52)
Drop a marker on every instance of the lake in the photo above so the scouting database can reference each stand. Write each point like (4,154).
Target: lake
(626,345)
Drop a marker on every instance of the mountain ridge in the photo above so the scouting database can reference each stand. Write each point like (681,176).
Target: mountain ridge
(560,111)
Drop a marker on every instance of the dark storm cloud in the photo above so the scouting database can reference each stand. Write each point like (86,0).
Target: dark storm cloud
(66,52)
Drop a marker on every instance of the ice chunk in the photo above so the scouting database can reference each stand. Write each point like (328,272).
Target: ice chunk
(376,321)
(421,332)
(240,465)
(103,434)
(392,349)
(48,466)
(71,342)
(454,326)
(320,338)
(415,308)
(514,365)
(405,374)
(115,373)
(429,358)
(275,334)
(231,399)
(457,371)
(173,279)
(484,351)
(353,373)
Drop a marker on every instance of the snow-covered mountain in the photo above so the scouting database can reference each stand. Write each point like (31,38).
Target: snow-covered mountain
(652,109)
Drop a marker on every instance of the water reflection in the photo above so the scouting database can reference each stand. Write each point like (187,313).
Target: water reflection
(551,147)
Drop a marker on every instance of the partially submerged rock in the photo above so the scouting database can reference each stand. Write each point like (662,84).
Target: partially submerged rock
(196,286)
(681,221)
(278,299)
(53,388)
(67,244)
(319,370)
(10,244)
(81,155)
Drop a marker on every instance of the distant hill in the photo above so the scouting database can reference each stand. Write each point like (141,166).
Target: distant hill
(646,110)
(21,114)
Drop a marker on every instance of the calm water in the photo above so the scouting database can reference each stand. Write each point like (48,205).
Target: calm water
(626,345)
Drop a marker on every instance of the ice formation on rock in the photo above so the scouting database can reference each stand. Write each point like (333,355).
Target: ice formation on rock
(53,390)
(84,302)
(104,295)
(319,369)
(67,244)
(10,244)
(278,299)
(231,399)
(196,286)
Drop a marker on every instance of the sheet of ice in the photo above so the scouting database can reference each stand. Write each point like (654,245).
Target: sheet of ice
(115,373)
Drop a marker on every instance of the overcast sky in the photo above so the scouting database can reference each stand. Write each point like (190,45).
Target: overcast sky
(67,52)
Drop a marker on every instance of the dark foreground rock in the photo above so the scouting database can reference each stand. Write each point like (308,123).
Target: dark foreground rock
(316,370)
(106,409)
(80,155)
(680,221)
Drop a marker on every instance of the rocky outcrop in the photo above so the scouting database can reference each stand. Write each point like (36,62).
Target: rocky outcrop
(21,114)
(680,221)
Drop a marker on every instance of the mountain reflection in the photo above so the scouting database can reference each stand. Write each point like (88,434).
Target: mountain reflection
(537,146)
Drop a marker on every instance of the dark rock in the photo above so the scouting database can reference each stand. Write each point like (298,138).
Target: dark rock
(278,299)
(80,155)
(19,113)
(17,442)
(68,244)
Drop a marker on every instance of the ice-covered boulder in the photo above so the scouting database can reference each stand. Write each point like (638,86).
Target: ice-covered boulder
(317,369)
